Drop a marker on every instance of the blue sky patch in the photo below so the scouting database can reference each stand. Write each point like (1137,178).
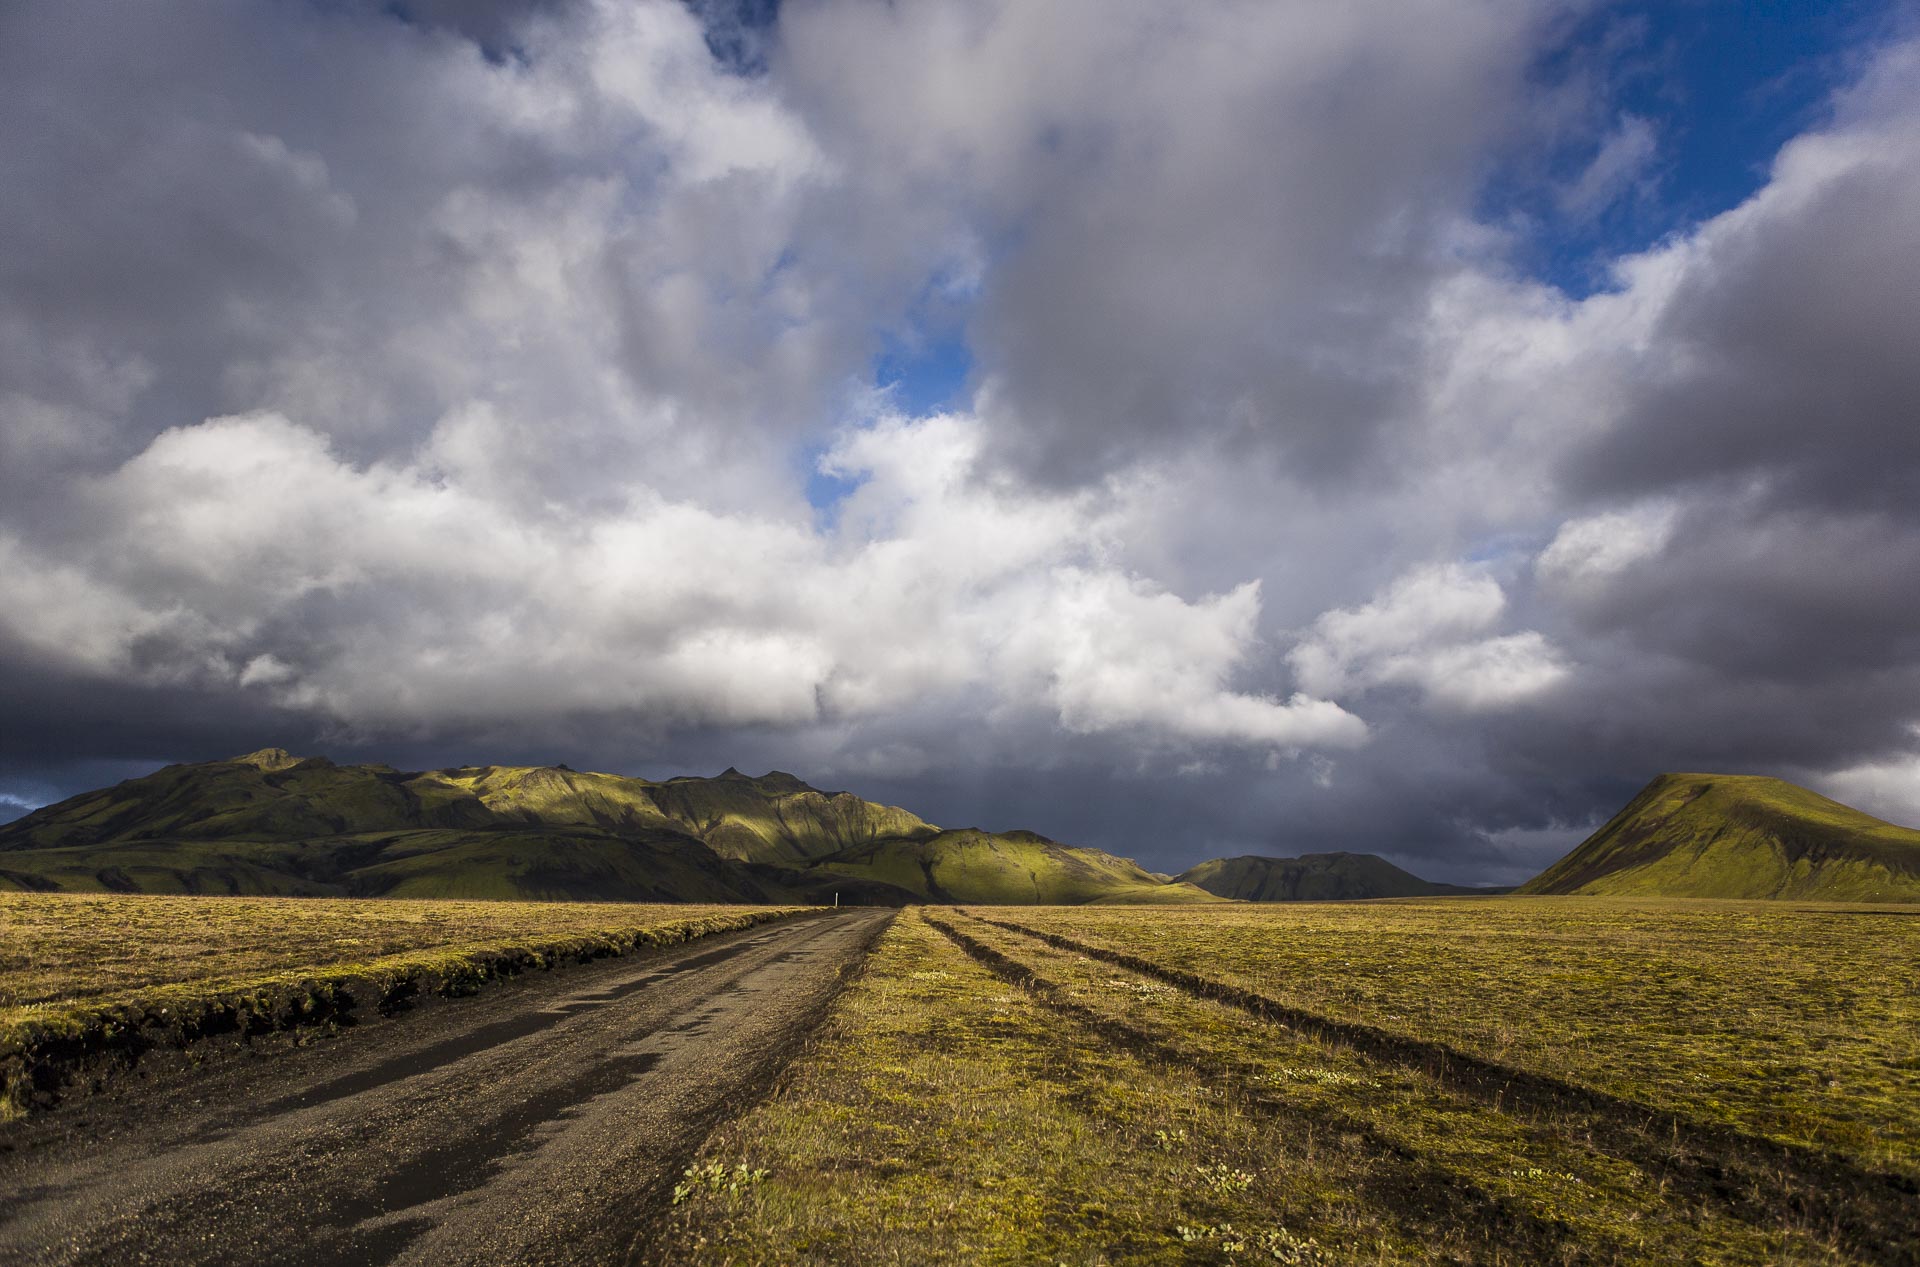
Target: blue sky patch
(929,377)
(1698,97)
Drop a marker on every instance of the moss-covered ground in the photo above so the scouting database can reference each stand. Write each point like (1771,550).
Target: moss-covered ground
(1797,1023)
(985,1095)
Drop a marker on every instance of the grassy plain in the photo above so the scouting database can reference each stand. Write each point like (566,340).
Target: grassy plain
(1797,1023)
(73,948)
(82,972)
(983,1095)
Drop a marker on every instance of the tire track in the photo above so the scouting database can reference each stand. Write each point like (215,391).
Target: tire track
(1873,1215)
(544,1126)
(1415,1186)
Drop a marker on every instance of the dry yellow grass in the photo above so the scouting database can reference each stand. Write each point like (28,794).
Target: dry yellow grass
(1795,1022)
(981,1095)
(87,978)
(58,948)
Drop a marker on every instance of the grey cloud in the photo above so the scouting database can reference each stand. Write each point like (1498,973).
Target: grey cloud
(497,26)
(1768,405)
(1786,349)
(1219,224)
(1787,595)
(331,212)
(1619,163)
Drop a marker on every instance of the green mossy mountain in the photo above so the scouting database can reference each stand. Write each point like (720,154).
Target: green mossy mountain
(1740,836)
(273,823)
(1011,869)
(1314,877)
(271,796)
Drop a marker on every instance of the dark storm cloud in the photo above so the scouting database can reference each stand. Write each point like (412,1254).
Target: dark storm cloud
(1756,591)
(1764,425)
(198,192)
(76,721)
(1787,353)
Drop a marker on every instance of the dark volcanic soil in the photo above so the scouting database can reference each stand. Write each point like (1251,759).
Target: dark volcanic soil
(544,1122)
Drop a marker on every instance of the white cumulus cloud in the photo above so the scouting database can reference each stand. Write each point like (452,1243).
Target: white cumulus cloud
(1430,629)
(1590,551)
(412,586)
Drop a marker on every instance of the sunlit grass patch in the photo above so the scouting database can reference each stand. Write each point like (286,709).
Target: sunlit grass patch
(938,1120)
(59,949)
(1796,1023)
(85,978)
(1429,1156)
(982,1096)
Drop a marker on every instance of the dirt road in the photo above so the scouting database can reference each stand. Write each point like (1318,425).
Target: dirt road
(543,1123)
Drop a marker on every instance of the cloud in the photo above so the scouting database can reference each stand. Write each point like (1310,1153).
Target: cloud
(409,587)
(1193,220)
(440,381)
(1624,155)
(1117,655)
(1590,551)
(1426,630)
(592,243)
(1889,789)
(1774,335)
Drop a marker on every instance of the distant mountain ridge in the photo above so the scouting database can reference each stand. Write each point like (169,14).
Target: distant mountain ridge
(1314,877)
(272,822)
(1740,836)
(271,795)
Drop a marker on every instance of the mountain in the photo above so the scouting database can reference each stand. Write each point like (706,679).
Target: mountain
(1015,869)
(1313,877)
(271,795)
(1740,836)
(271,822)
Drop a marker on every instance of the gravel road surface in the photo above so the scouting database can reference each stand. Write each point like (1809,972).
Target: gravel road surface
(542,1122)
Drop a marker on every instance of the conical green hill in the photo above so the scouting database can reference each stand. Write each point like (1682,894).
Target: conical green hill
(1740,836)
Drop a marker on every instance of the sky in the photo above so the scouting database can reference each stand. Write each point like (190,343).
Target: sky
(1187,430)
